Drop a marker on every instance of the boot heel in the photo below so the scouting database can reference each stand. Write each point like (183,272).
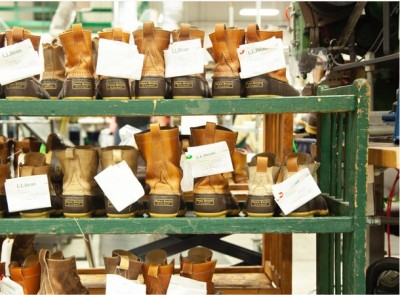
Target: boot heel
(188,87)
(77,206)
(151,88)
(164,206)
(114,89)
(78,89)
(226,87)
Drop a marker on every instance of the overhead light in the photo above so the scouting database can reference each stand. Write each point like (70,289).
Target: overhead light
(262,12)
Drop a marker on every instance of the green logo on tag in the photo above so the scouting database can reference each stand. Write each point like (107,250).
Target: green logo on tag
(189,157)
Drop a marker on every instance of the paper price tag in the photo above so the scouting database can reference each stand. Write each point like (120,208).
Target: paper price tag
(261,57)
(9,287)
(119,59)
(26,193)
(187,183)
(184,286)
(120,185)
(184,58)
(6,252)
(116,285)
(295,191)
(19,61)
(209,159)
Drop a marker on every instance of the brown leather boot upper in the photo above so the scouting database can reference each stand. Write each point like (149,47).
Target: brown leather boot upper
(2,38)
(18,34)
(157,272)
(5,150)
(24,146)
(240,168)
(27,275)
(123,263)
(112,155)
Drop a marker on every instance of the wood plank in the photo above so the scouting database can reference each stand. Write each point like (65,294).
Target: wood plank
(383,155)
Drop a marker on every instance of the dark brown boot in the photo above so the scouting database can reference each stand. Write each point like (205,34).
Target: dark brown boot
(193,86)
(271,84)
(27,275)
(28,88)
(212,197)
(123,263)
(54,68)
(157,272)
(226,80)
(152,42)
(59,275)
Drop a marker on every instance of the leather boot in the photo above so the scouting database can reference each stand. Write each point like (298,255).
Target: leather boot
(193,86)
(2,38)
(199,266)
(263,172)
(22,247)
(34,163)
(152,42)
(110,156)
(54,68)
(59,275)
(79,83)
(271,84)
(81,194)
(157,272)
(5,149)
(212,197)
(240,167)
(2,269)
(4,175)
(110,88)
(27,275)
(123,263)
(28,88)
(226,80)
(160,148)
(22,147)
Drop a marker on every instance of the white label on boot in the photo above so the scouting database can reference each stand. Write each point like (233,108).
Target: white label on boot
(28,192)
(187,182)
(261,57)
(295,191)
(119,59)
(9,287)
(116,285)
(5,254)
(209,159)
(184,286)
(184,58)
(120,185)
(19,61)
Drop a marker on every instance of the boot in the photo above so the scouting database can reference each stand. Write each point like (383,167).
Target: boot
(28,88)
(5,149)
(81,194)
(199,266)
(212,197)
(123,263)
(226,80)
(22,248)
(2,38)
(27,275)
(4,175)
(26,145)
(59,275)
(160,148)
(157,272)
(112,155)
(240,169)
(54,68)
(263,172)
(271,84)
(79,83)
(193,86)
(152,42)
(110,88)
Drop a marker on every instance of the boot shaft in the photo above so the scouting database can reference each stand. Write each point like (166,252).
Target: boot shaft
(4,174)
(112,155)
(240,167)
(22,147)
(18,34)
(123,263)
(2,38)
(115,34)
(263,172)
(186,32)
(54,61)
(5,149)
(27,275)
(157,272)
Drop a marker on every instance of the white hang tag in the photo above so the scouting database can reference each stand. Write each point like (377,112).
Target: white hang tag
(187,183)
(194,121)
(209,159)
(261,57)
(295,191)
(19,61)
(126,133)
(179,285)
(119,59)
(116,285)
(6,250)
(9,287)
(184,58)
(120,185)
(28,192)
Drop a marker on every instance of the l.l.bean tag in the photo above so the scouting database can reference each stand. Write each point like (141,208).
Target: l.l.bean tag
(116,285)
(120,185)
(5,255)
(19,61)
(209,159)
(184,286)
(187,182)
(28,192)
(295,191)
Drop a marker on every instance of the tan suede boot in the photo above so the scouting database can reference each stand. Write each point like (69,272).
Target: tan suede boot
(160,148)
(193,86)
(110,88)
(226,80)
(123,263)
(152,42)
(28,88)
(27,275)
(157,272)
(54,68)
(271,84)
(212,197)
(4,175)
(79,83)
(59,275)
(81,194)
(199,266)
(112,155)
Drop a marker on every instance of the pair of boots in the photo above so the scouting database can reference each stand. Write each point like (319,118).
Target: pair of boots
(226,79)
(160,148)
